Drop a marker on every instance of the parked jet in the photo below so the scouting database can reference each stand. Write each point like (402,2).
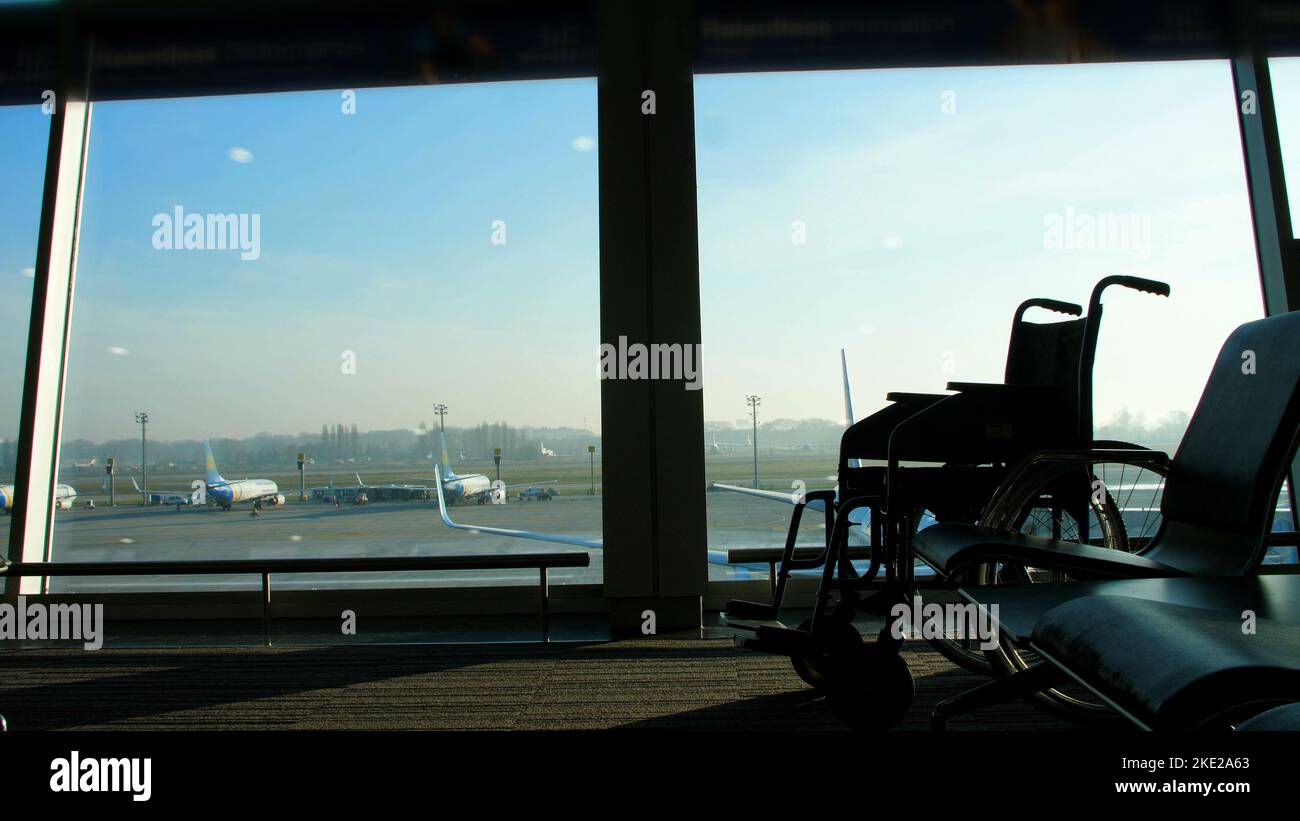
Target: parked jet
(64,497)
(226,493)
(474,487)
(260,492)
(718,447)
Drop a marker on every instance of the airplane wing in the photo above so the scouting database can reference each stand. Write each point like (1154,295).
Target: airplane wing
(771,495)
(531,484)
(741,569)
(174,491)
(532,535)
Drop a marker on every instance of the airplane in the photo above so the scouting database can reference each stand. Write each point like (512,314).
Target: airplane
(717,447)
(546,451)
(260,492)
(89,464)
(225,493)
(474,487)
(64,497)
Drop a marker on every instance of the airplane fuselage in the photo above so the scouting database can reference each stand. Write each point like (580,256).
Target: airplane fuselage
(232,493)
(467,487)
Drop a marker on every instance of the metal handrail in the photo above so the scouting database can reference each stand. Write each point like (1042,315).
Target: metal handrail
(542,562)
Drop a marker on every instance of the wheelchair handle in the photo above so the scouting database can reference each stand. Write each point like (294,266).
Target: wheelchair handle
(1150,286)
(1056,305)
(1049,304)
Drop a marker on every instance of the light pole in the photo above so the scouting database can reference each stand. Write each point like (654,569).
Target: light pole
(441,410)
(108,466)
(142,418)
(302,477)
(754,402)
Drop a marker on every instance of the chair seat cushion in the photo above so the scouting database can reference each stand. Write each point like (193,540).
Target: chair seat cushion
(1286,717)
(1168,665)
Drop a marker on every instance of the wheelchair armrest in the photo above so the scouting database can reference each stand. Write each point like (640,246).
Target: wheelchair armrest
(1053,462)
(905,398)
(1012,389)
(1133,455)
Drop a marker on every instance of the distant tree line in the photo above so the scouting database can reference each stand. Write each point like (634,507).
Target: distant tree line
(336,443)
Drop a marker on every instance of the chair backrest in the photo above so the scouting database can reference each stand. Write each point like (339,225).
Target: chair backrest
(1223,481)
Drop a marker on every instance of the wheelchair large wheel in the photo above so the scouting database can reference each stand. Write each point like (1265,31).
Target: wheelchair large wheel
(870,686)
(840,636)
(1123,504)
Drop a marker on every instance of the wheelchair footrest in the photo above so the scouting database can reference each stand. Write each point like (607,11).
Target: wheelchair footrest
(752,610)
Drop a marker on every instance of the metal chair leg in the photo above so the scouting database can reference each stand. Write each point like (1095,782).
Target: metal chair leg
(1017,685)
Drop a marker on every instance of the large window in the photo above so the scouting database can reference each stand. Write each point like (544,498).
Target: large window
(313,273)
(22,167)
(902,215)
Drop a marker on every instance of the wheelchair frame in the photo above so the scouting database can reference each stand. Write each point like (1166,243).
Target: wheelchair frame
(1017,420)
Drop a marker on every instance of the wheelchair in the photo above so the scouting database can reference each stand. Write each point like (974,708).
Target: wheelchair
(945,459)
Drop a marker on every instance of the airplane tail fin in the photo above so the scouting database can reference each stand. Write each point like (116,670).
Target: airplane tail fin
(212,477)
(447,472)
(848,401)
(137,485)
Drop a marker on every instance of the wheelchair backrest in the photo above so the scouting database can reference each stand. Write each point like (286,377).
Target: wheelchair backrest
(1049,353)
(1219,498)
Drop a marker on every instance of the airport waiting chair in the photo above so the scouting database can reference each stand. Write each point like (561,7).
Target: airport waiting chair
(976,435)
(1161,665)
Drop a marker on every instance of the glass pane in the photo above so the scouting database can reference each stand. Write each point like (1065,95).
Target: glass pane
(902,215)
(22,167)
(311,273)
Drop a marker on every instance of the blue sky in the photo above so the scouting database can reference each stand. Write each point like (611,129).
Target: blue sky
(924,228)
(376,234)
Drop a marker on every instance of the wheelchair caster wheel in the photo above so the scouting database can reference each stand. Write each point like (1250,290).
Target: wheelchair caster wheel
(840,636)
(871,687)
